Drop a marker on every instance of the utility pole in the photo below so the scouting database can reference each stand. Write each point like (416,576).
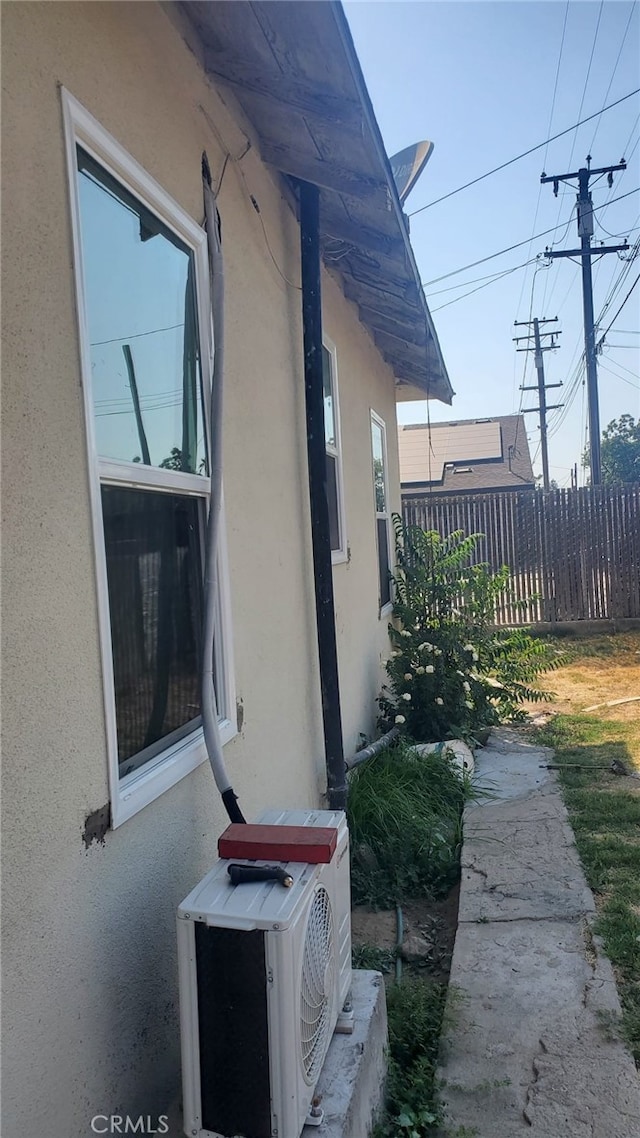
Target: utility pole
(541,387)
(585,252)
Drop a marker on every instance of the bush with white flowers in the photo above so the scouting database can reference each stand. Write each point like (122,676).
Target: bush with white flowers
(451,673)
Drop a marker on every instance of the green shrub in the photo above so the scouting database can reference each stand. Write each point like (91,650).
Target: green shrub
(451,671)
(404,815)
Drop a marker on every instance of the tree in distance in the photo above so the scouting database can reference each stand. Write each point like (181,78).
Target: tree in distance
(620,451)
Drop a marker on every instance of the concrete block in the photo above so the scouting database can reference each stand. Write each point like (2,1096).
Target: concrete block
(354,1074)
(352,1082)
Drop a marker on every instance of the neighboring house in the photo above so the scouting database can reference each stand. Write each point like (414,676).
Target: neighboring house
(470,456)
(110,814)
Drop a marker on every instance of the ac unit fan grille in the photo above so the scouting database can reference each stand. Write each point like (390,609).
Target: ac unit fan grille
(317,988)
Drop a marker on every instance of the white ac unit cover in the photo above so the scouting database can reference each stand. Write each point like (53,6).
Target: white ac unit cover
(264,974)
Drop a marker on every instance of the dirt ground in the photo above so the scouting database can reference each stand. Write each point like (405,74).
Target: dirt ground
(603,672)
(429,929)
(605,668)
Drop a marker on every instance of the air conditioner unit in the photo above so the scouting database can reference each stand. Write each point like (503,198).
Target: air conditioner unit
(265,978)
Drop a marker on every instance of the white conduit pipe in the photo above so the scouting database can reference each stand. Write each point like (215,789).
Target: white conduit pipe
(208,694)
(372,749)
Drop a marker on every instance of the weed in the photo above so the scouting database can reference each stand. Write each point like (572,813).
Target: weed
(405,821)
(415,1010)
(370,956)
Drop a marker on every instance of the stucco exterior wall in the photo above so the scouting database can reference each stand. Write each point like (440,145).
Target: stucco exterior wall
(90,986)
(365,385)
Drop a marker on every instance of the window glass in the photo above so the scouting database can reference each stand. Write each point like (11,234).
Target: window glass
(154,573)
(377,442)
(143,329)
(327,388)
(383,561)
(379,458)
(332,498)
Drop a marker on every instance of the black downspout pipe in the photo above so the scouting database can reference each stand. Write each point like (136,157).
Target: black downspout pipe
(320,534)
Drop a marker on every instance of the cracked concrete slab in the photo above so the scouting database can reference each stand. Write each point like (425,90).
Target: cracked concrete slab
(529,1049)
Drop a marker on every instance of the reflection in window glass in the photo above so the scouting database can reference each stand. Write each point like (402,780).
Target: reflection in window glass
(377,443)
(143,329)
(154,573)
(327,389)
(331,441)
(379,459)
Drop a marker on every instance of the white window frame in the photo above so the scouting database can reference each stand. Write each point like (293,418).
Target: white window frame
(338,556)
(386,608)
(141,787)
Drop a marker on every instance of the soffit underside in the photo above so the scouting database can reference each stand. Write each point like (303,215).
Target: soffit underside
(293,75)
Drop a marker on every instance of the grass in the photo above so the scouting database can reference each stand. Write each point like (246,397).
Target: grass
(372,957)
(605,809)
(415,1010)
(405,822)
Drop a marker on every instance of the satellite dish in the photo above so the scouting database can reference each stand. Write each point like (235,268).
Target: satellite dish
(408,165)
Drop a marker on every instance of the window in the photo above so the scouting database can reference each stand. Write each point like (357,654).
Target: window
(381,501)
(141,267)
(334,453)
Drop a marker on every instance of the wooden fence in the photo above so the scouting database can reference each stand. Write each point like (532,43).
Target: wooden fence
(573,554)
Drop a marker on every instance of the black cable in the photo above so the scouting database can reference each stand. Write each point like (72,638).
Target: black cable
(555,85)
(584,89)
(524,154)
(518,244)
(494,279)
(632,9)
(609,326)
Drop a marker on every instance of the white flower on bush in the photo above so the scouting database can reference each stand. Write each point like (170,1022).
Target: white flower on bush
(405,632)
(439,701)
(420,671)
(468,703)
(396,652)
(437,652)
(400,719)
(459,673)
(408,676)
(429,668)
(405,695)
(466,686)
(426,647)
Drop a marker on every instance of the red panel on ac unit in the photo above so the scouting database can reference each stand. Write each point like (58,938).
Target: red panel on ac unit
(314,844)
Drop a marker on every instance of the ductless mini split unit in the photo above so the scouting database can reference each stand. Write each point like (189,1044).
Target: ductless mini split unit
(265,976)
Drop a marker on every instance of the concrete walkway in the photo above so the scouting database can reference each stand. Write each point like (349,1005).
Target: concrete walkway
(527,1050)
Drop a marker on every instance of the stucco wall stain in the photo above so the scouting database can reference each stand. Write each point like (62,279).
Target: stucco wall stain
(97,825)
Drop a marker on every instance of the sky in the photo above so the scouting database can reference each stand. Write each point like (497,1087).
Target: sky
(486,81)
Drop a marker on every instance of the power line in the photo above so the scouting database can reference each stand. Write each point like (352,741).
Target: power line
(135,335)
(474,280)
(555,85)
(518,245)
(615,376)
(584,89)
(621,366)
(619,310)
(495,278)
(615,68)
(524,154)
(544,158)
